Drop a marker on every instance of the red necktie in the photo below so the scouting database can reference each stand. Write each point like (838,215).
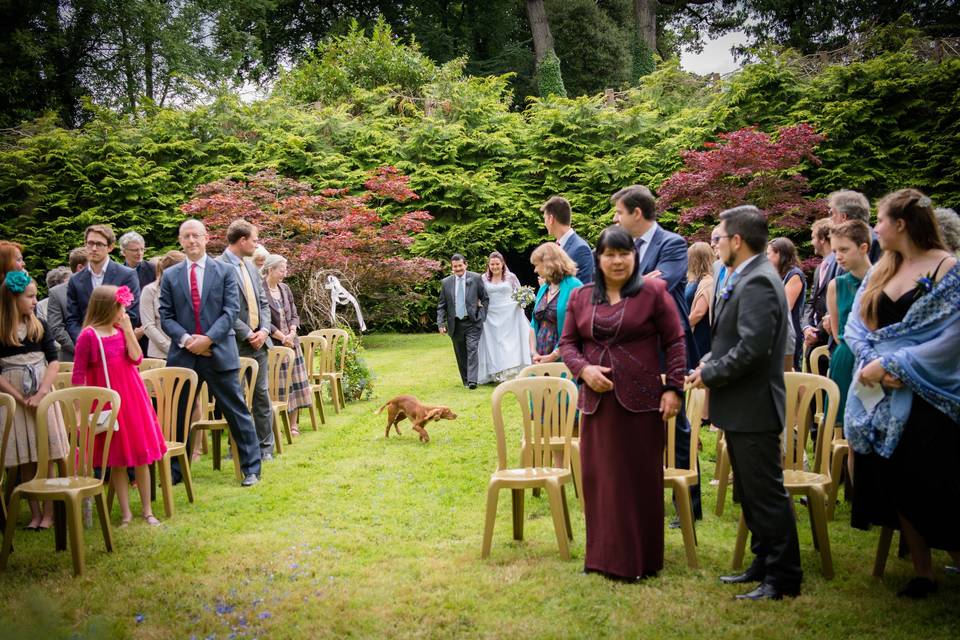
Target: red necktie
(195,297)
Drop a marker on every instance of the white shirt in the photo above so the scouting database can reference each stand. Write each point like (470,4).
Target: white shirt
(97,279)
(746,262)
(563,239)
(647,239)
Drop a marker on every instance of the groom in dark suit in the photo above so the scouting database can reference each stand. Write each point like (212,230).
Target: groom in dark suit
(747,399)
(460,314)
(199,303)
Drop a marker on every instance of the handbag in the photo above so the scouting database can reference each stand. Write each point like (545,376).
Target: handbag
(101,417)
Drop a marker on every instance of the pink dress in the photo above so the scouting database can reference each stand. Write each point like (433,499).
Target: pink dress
(139,439)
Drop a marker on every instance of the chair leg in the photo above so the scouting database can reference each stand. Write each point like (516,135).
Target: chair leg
(566,512)
(277,437)
(11,529)
(818,506)
(340,397)
(334,395)
(722,474)
(318,401)
(103,514)
(313,415)
(685,507)
(556,509)
(187,476)
(75,535)
(577,474)
(110,496)
(836,474)
(516,497)
(285,417)
(740,545)
(492,493)
(166,485)
(883,551)
(217,439)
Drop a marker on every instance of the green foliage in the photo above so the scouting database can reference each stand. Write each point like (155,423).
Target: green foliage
(594,50)
(643,62)
(549,78)
(358,379)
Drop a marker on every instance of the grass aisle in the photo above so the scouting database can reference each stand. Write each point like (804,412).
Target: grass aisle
(351,534)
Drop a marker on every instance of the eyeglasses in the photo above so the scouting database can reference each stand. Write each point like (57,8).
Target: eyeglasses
(93,244)
(716,239)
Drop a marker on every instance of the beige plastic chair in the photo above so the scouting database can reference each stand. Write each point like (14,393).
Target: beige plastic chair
(78,482)
(249,368)
(64,367)
(680,479)
(313,348)
(723,473)
(539,399)
(148,364)
(173,388)
(823,351)
(8,406)
(64,380)
(557,370)
(334,360)
(814,485)
(279,358)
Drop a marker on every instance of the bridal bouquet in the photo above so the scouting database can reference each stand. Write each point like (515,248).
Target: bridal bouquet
(524,296)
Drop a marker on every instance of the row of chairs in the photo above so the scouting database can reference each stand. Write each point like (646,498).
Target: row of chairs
(172,389)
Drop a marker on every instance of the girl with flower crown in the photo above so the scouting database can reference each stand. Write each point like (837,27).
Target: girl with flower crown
(28,369)
(138,440)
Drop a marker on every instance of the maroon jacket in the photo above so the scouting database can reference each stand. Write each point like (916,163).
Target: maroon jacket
(650,323)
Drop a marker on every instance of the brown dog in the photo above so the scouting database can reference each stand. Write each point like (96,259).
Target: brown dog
(419,415)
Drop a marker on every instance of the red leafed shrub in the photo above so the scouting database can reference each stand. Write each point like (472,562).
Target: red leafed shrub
(326,232)
(746,167)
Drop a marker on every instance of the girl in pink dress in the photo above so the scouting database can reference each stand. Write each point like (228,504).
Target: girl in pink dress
(138,440)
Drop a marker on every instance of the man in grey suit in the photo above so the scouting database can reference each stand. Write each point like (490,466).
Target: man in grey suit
(747,399)
(252,325)
(199,302)
(460,314)
(57,307)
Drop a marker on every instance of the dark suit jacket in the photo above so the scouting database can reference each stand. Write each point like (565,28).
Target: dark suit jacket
(668,254)
(242,324)
(650,323)
(581,253)
(146,272)
(57,321)
(745,369)
(80,286)
(816,306)
(219,306)
(475,297)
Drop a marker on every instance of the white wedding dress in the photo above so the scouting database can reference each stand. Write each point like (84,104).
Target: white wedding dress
(505,341)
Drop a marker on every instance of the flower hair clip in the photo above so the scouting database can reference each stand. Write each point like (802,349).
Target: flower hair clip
(16,281)
(124,296)
(925,202)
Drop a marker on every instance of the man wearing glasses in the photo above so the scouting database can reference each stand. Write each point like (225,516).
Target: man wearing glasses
(99,240)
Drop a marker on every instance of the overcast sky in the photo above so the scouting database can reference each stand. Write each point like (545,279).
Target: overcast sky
(716,56)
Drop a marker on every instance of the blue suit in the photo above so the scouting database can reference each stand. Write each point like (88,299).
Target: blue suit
(581,253)
(667,253)
(219,306)
(80,286)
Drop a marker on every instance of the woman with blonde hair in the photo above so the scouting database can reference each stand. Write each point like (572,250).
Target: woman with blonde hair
(904,329)
(699,293)
(559,273)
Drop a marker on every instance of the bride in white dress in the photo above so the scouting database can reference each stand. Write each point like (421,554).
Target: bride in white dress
(505,342)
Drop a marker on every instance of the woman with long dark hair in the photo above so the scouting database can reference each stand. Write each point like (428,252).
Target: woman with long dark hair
(782,253)
(613,330)
(904,329)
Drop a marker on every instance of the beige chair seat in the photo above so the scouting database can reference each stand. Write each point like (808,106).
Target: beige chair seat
(50,488)
(799,480)
(531,476)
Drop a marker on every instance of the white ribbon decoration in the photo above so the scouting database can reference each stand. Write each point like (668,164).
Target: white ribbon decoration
(340,296)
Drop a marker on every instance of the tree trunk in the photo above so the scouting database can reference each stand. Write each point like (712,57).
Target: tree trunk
(645,13)
(540,27)
(131,82)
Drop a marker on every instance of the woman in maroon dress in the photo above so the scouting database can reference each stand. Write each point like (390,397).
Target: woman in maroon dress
(610,343)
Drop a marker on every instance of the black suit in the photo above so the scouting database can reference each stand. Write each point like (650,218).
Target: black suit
(747,401)
(465,332)
(80,286)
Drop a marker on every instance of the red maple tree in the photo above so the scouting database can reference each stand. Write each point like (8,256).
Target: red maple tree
(330,231)
(746,167)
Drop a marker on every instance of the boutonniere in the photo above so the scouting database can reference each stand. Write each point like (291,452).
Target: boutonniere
(728,287)
(924,284)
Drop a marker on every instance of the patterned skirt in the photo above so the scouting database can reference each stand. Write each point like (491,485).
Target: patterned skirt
(300,396)
(22,443)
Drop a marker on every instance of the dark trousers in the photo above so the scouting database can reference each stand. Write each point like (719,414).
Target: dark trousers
(766,505)
(683,456)
(262,408)
(466,345)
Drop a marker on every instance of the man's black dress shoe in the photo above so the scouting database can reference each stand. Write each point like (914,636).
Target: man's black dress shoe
(472,385)
(748,576)
(250,480)
(918,589)
(766,591)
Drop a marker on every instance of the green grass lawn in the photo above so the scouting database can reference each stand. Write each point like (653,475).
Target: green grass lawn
(351,534)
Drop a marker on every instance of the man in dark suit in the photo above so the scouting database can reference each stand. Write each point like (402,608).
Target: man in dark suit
(460,314)
(814,333)
(57,307)
(199,303)
(99,240)
(663,254)
(747,400)
(252,325)
(556,218)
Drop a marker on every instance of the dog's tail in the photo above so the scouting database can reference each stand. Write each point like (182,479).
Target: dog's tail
(380,410)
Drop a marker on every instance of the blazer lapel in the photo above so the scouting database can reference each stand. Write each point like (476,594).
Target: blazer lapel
(207,281)
(650,255)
